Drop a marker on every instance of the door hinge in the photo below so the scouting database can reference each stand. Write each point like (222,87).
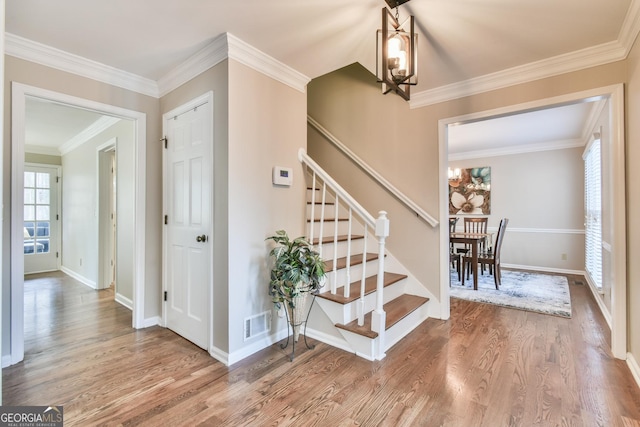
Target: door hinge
(165,141)
(165,295)
(57,255)
(166,219)
(57,179)
(57,217)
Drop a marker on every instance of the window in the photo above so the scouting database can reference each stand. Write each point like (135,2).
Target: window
(593,211)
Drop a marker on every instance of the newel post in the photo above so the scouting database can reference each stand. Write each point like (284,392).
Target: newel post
(378,319)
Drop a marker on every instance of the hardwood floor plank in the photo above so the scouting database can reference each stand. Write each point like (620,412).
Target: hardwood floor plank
(486,366)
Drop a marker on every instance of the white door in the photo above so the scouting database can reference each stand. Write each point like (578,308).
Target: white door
(41,219)
(187,247)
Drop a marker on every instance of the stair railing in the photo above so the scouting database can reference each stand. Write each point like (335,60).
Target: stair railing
(320,180)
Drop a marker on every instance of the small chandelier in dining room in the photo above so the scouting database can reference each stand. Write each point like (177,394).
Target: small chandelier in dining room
(396,52)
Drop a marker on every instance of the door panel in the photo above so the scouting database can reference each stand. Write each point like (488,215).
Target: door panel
(188,164)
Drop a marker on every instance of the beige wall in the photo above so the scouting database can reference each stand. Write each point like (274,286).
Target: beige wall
(51,79)
(633,199)
(267,126)
(542,195)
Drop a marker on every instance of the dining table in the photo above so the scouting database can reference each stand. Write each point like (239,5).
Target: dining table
(474,240)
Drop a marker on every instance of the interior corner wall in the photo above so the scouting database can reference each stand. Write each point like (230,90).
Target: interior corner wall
(215,79)
(633,199)
(29,73)
(267,127)
(402,145)
(542,195)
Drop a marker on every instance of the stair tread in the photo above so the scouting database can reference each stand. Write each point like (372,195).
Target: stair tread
(341,238)
(370,285)
(355,260)
(395,310)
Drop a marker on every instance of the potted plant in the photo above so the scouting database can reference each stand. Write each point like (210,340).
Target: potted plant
(297,272)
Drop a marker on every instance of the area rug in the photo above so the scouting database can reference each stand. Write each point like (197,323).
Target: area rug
(542,293)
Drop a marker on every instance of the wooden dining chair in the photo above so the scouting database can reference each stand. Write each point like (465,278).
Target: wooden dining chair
(455,258)
(489,258)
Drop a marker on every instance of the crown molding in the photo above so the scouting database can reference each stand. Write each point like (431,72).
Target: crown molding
(97,127)
(574,61)
(55,58)
(265,64)
(209,56)
(507,151)
(561,64)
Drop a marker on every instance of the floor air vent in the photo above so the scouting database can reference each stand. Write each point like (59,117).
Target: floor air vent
(259,324)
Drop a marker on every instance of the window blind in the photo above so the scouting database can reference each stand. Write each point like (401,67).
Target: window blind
(593,212)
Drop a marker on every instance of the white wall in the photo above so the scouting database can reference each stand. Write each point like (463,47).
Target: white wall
(542,195)
(80,204)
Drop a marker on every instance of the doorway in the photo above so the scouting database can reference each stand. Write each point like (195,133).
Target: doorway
(20,92)
(107,222)
(616,203)
(41,218)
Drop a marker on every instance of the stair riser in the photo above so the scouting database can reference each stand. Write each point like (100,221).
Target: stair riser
(345,313)
(328,228)
(355,272)
(406,325)
(361,346)
(327,252)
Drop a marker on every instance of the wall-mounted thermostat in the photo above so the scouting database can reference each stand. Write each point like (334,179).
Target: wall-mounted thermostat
(282,176)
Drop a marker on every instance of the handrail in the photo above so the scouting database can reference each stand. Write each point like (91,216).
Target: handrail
(386,184)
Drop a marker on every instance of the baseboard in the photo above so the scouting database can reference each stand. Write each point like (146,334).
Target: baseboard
(633,366)
(122,300)
(597,295)
(6,360)
(230,358)
(151,321)
(80,278)
(544,269)
(329,339)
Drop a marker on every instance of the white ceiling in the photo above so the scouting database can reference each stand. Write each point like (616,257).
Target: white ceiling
(459,40)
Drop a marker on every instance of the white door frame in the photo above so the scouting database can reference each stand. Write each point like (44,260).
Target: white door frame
(18,101)
(104,224)
(206,98)
(615,93)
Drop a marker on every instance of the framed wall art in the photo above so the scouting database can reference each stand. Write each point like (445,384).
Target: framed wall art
(470,191)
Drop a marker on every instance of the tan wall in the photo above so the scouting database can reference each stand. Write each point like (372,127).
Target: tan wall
(51,79)
(267,126)
(633,199)
(402,145)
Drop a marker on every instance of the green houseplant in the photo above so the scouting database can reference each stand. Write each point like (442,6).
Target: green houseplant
(297,272)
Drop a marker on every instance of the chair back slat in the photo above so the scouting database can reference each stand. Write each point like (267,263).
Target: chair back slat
(499,238)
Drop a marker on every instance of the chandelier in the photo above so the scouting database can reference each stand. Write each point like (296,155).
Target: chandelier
(396,52)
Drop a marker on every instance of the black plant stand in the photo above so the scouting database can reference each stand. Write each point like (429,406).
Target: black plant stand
(291,329)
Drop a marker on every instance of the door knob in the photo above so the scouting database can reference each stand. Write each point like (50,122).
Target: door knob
(202,238)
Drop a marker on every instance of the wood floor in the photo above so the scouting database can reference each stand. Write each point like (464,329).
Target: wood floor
(486,366)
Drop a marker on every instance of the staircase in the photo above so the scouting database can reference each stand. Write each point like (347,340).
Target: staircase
(369,297)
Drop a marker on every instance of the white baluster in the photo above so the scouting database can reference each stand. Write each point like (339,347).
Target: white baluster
(312,221)
(347,285)
(378,318)
(335,242)
(362,281)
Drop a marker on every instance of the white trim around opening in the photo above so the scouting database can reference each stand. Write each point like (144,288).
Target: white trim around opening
(20,92)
